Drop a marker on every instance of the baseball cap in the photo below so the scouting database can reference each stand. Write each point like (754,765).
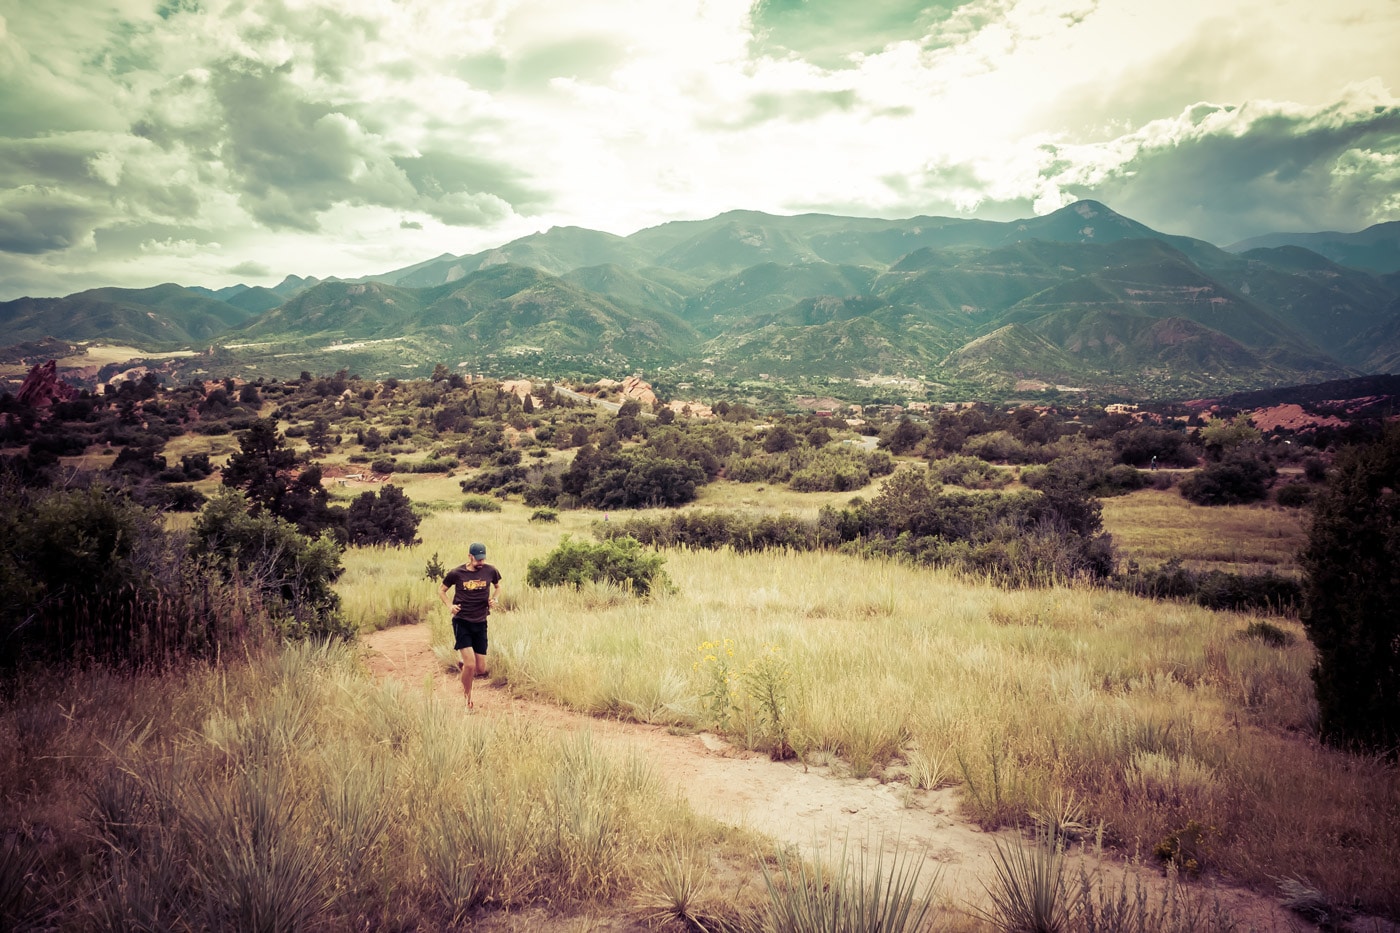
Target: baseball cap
(477,550)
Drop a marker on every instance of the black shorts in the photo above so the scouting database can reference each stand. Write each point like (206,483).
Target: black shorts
(469,635)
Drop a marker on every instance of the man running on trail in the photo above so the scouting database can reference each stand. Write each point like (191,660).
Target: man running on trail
(478,588)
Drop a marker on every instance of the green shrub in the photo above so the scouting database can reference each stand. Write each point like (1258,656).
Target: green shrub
(1352,563)
(621,561)
(1294,495)
(1122,478)
(480,504)
(544,515)
(385,518)
(999,446)
(89,575)
(1187,848)
(1232,481)
(1215,589)
(433,465)
(714,529)
(1268,633)
(291,572)
(840,469)
(968,472)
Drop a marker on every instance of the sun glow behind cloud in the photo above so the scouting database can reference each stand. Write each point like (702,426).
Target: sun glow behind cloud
(147,141)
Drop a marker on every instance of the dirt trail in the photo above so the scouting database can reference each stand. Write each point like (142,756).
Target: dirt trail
(792,804)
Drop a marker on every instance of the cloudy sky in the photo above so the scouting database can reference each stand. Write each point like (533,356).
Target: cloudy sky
(217,141)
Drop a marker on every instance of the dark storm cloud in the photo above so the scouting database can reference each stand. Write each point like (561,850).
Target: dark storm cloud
(829,32)
(36,221)
(1286,173)
(294,158)
(290,157)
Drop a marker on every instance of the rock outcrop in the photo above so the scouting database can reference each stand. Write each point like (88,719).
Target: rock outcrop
(42,387)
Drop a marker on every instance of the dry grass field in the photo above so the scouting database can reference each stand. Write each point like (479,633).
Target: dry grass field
(1154,526)
(279,791)
(1164,726)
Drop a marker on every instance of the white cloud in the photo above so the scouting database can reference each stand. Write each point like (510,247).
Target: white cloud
(348,136)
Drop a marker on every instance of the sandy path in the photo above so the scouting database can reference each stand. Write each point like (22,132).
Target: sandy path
(792,804)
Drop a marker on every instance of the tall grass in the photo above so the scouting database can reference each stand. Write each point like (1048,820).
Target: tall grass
(290,793)
(1154,526)
(1149,716)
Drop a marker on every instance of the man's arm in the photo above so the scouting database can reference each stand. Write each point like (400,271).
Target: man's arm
(442,595)
(496,594)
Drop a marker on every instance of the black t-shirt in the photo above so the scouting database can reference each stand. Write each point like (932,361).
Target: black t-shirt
(471,603)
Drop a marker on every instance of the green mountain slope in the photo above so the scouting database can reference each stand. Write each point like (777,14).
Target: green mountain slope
(637,291)
(163,316)
(847,347)
(1079,296)
(1168,286)
(557,250)
(1375,249)
(769,287)
(1331,304)
(355,310)
(501,311)
(1121,350)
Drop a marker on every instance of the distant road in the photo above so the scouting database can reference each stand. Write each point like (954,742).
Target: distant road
(610,406)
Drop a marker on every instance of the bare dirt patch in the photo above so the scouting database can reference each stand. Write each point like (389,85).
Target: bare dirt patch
(811,808)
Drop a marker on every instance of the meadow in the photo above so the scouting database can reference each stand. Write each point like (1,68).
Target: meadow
(287,790)
(1169,731)
(1154,526)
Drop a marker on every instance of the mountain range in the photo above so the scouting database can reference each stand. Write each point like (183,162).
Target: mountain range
(1082,297)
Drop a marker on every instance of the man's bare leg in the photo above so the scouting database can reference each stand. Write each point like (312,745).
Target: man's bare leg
(481,665)
(471,663)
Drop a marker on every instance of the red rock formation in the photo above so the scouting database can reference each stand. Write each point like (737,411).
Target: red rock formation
(42,387)
(633,387)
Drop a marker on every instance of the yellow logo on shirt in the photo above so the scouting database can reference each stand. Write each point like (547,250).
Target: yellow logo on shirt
(474,584)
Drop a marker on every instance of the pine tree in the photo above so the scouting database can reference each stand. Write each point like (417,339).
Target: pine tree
(1352,563)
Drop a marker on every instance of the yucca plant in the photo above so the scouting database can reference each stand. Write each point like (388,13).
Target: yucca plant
(1030,892)
(852,897)
(147,891)
(679,886)
(354,795)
